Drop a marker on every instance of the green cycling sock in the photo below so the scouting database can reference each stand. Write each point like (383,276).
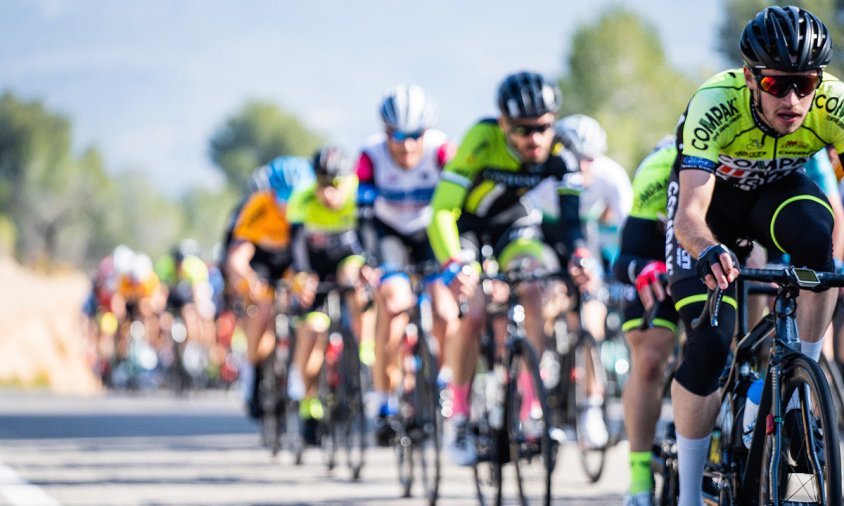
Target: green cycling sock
(641,477)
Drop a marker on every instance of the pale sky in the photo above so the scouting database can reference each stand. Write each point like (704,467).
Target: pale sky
(148,82)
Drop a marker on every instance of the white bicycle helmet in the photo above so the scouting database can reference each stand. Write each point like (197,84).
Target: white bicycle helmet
(583,135)
(123,259)
(407,108)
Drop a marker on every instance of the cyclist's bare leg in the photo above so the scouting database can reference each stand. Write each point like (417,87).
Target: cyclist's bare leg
(814,312)
(310,349)
(650,351)
(393,297)
(694,415)
(260,333)
(594,319)
(461,353)
(446,317)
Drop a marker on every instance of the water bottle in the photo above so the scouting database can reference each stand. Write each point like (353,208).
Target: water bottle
(751,407)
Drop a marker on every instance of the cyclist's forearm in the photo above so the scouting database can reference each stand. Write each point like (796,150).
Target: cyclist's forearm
(444,236)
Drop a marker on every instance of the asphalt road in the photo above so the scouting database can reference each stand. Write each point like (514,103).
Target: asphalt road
(158,450)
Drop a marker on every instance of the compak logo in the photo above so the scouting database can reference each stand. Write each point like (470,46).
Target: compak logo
(778,164)
(713,122)
(832,105)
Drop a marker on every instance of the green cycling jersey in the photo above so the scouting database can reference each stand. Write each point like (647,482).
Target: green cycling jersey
(304,208)
(487,180)
(722,134)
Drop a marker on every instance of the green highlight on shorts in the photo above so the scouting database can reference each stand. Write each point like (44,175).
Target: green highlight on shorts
(522,246)
(789,201)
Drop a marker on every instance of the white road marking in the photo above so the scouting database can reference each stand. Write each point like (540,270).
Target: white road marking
(19,492)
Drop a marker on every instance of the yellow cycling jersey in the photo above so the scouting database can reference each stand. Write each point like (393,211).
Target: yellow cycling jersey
(487,179)
(306,209)
(263,221)
(722,134)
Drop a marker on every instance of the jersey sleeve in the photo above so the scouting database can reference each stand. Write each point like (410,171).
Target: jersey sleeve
(703,131)
(450,192)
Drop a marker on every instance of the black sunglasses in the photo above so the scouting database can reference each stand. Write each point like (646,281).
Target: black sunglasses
(525,130)
(326,181)
(780,86)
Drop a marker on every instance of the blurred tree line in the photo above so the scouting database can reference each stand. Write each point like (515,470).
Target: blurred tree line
(60,207)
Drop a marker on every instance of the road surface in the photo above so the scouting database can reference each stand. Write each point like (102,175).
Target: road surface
(156,449)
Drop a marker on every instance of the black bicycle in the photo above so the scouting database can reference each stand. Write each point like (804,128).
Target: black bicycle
(342,383)
(418,424)
(518,431)
(576,352)
(280,424)
(793,455)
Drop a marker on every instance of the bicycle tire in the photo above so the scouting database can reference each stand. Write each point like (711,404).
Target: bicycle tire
(270,391)
(836,388)
(492,447)
(404,452)
(426,430)
(592,459)
(532,451)
(350,399)
(787,480)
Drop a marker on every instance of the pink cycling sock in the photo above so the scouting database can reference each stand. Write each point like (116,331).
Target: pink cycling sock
(460,398)
(528,395)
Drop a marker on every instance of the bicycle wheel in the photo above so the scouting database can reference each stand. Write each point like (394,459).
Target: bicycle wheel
(404,452)
(836,388)
(350,400)
(491,444)
(328,428)
(592,458)
(807,469)
(532,451)
(270,391)
(425,430)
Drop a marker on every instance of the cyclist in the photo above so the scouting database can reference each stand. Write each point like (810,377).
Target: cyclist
(742,140)
(400,167)
(327,247)
(604,204)
(257,256)
(188,289)
(640,263)
(480,193)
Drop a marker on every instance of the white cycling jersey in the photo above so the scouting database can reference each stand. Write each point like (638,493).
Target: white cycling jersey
(609,189)
(403,196)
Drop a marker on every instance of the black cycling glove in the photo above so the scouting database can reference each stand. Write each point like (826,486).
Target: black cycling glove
(711,256)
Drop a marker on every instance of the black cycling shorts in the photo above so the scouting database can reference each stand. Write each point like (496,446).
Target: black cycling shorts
(790,215)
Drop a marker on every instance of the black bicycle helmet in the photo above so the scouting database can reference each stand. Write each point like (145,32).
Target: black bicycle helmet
(789,39)
(528,95)
(330,161)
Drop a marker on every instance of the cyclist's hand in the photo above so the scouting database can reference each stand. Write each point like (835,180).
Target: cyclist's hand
(583,271)
(717,266)
(648,284)
(305,286)
(370,275)
(461,279)
(256,287)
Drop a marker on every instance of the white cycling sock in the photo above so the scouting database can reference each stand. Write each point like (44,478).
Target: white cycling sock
(691,455)
(812,350)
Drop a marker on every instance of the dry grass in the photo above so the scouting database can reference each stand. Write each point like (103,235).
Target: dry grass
(42,344)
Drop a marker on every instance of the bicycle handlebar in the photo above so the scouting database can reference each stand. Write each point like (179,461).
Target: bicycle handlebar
(786,278)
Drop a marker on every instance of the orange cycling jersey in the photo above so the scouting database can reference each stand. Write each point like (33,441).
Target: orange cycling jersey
(133,290)
(263,222)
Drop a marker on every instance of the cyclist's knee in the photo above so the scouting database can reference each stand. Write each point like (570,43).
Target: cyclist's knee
(650,351)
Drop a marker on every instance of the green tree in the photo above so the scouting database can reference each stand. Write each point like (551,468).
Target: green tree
(206,215)
(739,12)
(618,73)
(254,136)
